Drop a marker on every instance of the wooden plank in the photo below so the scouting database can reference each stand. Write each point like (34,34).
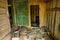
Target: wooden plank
(2,5)
(2,10)
(51,4)
(57,29)
(51,12)
(22,15)
(7,37)
(54,3)
(47,7)
(3,1)
(3,22)
(4,19)
(58,3)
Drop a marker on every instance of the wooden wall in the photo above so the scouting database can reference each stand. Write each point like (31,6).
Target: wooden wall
(42,11)
(53,17)
(4,19)
(17,11)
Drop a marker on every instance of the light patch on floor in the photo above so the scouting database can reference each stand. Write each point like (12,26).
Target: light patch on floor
(15,39)
(43,38)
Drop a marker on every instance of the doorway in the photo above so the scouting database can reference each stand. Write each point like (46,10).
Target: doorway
(34,10)
(10,12)
(10,16)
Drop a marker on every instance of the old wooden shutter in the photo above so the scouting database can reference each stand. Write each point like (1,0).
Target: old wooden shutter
(4,19)
(21,12)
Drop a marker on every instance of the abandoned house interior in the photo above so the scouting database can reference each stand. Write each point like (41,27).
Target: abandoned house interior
(29,19)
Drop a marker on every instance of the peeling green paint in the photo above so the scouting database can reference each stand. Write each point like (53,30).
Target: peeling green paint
(22,12)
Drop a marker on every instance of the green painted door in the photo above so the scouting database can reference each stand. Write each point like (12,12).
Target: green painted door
(21,12)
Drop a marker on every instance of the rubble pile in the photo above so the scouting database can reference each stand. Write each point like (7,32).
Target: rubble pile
(33,34)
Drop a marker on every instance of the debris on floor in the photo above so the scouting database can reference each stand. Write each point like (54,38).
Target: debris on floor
(33,34)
